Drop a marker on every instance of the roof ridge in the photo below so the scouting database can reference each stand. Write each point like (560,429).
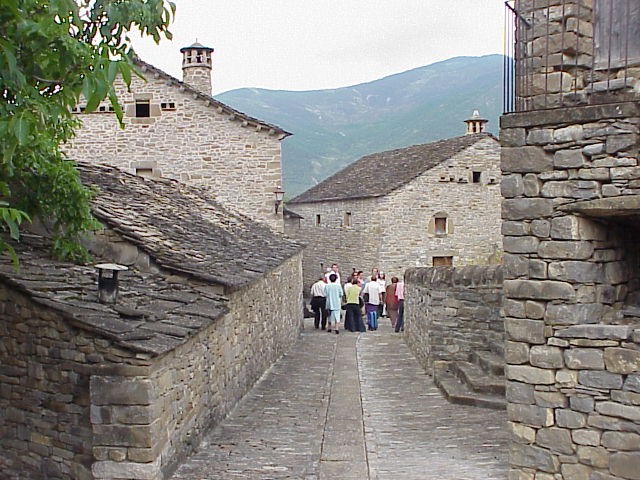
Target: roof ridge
(212,101)
(416,163)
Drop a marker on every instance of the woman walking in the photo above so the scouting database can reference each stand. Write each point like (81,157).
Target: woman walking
(391,301)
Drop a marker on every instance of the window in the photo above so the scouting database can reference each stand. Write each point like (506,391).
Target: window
(476,176)
(168,105)
(318,220)
(441,225)
(442,261)
(145,172)
(347,219)
(617,33)
(143,109)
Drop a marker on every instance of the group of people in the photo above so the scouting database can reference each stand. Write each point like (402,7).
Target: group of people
(329,297)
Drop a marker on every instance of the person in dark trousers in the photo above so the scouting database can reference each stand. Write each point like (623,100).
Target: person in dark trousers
(318,304)
(353,315)
(400,297)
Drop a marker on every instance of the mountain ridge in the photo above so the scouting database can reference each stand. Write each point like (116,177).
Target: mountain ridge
(334,127)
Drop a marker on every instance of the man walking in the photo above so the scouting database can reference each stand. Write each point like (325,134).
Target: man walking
(318,303)
(334,293)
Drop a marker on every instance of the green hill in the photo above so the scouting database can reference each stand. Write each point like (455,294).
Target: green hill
(332,128)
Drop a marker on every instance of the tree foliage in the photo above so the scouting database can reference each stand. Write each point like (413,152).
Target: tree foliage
(52,54)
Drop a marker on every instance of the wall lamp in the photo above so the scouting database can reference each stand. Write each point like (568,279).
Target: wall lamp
(279,196)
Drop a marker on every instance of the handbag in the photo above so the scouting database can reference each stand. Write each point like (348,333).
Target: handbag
(366,297)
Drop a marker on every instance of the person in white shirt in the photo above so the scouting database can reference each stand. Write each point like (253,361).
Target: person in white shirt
(318,304)
(372,298)
(335,270)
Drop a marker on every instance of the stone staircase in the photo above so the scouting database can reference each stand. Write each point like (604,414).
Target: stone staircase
(479,382)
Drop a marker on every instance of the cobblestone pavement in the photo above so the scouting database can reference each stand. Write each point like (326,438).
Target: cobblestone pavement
(351,407)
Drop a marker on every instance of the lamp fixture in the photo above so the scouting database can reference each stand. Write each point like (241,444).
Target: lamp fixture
(279,196)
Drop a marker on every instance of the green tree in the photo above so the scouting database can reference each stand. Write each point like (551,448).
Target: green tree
(52,53)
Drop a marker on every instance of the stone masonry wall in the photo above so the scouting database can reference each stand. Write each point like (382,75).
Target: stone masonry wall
(188,140)
(472,210)
(556,56)
(354,246)
(571,284)
(449,312)
(396,231)
(45,406)
(73,406)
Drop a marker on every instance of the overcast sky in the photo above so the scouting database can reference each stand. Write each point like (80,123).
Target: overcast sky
(317,44)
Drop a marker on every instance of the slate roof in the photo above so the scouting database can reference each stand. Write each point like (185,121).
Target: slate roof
(212,102)
(152,315)
(381,173)
(183,229)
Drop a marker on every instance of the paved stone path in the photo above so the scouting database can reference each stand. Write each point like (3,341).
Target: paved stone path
(350,407)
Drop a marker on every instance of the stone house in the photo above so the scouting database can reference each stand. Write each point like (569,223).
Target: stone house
(571,199)
(176,129)
(127,389)
(423,205)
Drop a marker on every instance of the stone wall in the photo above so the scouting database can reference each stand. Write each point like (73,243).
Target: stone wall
(450,312)
(72,406)
(189,139)
(561,60)
(472,211)
(570,183)
(331,241)
(396,231)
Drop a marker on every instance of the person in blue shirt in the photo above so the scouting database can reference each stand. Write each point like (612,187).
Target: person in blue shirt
(333,293)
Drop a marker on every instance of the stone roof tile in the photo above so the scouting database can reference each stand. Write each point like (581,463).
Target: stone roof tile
(381,173)
(208,242)
(156,328)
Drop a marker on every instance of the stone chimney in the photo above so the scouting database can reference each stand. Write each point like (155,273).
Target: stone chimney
(196,67)
(475,124)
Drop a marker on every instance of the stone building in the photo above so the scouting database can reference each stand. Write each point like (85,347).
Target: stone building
(176,129)
(571,199)
(127,389)
(431,204)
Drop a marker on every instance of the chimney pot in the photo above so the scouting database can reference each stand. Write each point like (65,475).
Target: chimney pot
(108,285)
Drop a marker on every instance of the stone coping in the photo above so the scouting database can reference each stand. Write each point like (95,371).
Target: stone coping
(474,276)
(152,315)
(621,206)
(574,114)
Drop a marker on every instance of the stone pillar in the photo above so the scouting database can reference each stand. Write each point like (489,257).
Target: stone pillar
(127,434)
(571,292)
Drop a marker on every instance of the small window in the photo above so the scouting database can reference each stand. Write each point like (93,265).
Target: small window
(440,225)
(475,177)
(168,106)
(143,109)
(347,219)
(145,172)
(442,261)
(318,220)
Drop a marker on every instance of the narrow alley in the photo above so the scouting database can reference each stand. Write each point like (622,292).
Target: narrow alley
(351,407)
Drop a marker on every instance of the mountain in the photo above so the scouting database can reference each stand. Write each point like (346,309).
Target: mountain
(335,127)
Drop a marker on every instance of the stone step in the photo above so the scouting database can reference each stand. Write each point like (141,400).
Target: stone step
(477,379)
(497,347)
(457,392)
(489,362)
